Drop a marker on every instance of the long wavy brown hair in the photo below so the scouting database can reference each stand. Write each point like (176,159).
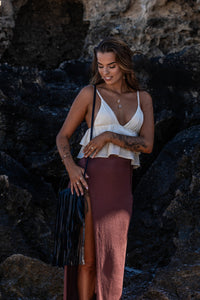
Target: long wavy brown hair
(123,56)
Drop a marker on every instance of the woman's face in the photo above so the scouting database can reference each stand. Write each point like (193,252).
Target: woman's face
(108,68)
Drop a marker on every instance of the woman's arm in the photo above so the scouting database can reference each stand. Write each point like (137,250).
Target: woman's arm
(142,143)
(76,115)
(136,144)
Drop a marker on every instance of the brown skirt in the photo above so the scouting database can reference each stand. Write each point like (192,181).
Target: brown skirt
(110,191)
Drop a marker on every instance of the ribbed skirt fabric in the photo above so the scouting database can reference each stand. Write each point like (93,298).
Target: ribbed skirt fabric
(110,191)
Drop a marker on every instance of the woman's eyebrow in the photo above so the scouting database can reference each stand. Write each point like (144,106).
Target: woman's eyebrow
(108,64)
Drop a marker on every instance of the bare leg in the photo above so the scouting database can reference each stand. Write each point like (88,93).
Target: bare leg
(87,272)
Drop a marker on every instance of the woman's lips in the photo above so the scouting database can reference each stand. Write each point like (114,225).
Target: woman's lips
(107,78)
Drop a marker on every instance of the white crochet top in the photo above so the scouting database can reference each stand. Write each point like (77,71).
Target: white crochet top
(106,120)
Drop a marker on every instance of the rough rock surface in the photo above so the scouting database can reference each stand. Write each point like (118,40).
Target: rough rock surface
(41,33)
(38,102)
(30,279)
(155,27)
(173,82)
(41,99)
(27,207)
(44,33)
(164,239)
(165,232)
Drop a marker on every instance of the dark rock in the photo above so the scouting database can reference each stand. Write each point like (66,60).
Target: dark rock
(173,82)
(135,282)
(30,279)
(77,70)
(27,207)
(165,227)
(178,282)
(47,33)
(41,191)
(11,237)
(33,107)
(164,233)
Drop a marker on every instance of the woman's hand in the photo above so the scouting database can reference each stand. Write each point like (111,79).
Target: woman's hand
(96,144)
(77,180)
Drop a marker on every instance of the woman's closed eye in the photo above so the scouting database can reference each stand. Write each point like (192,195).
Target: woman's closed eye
(110,67)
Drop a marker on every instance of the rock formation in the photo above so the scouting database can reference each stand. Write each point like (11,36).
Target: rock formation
(26,278)
(45,33)
(165,224)
(154,27)
(45,51)
(40,33)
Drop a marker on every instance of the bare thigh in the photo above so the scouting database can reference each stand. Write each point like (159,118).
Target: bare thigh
(89,237)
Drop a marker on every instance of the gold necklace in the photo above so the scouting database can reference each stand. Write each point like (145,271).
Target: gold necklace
(119,104)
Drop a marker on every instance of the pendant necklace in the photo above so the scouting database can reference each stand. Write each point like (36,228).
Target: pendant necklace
(119,104)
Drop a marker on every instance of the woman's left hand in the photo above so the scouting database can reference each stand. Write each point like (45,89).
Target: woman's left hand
(95,145)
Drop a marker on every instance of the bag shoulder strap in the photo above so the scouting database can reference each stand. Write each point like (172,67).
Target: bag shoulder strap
(92,125)
(93,107)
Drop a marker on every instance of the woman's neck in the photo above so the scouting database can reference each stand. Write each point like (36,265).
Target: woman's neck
(117,88)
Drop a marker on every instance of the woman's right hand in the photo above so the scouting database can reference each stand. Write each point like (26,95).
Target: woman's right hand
(77,180)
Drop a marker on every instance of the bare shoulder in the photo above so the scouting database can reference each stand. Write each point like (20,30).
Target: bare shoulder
(145,96)
(86,93)
(145,99)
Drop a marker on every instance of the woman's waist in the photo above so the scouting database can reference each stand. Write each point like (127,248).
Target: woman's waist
(112,160)
(114,151)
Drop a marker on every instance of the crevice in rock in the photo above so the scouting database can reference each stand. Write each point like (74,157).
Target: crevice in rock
(47,33)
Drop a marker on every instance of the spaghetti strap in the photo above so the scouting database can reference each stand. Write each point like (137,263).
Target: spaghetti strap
(99,95)
(138,98)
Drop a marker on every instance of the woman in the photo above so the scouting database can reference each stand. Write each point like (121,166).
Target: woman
(123,128)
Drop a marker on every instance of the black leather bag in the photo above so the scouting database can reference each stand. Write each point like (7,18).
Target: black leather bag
(69,235)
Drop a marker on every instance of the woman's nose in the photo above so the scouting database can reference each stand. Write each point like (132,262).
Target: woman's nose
(106,70)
